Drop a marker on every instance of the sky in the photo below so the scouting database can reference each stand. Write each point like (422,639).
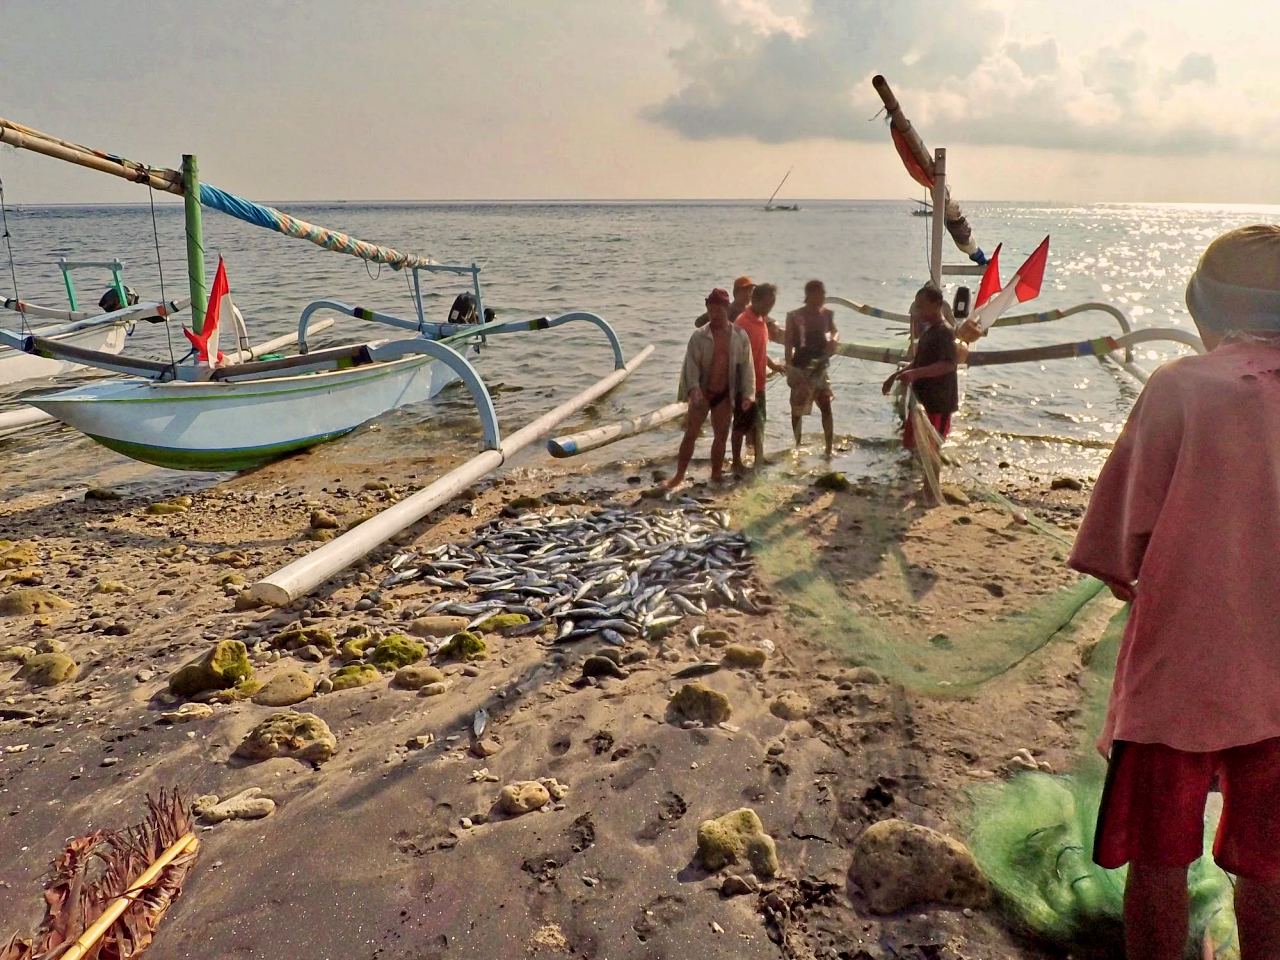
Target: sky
(1053,100)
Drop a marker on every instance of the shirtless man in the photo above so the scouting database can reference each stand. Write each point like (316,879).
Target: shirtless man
(718,376)
(810,339)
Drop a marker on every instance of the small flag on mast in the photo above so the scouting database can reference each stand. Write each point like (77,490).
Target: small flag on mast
(1024,286)
(205,342)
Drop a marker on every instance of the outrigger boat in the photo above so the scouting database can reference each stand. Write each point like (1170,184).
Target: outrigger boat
(240,415)
(104,332)
(771,207)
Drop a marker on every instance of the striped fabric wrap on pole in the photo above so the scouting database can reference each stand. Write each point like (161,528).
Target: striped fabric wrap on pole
(270,218)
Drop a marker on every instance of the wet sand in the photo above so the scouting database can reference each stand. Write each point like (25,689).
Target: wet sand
(366,855)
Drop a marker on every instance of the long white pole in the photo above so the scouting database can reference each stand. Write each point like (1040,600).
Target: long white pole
(15,421)
(306,573)
(576,443)
(939,215)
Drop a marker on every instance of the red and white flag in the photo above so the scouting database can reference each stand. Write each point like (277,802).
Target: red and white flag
(205,342)
(990,285)
(1024,286)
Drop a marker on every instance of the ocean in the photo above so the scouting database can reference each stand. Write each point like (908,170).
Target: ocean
(646,267)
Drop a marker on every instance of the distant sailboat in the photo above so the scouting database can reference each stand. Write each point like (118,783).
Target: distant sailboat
(923,208)
(769,204)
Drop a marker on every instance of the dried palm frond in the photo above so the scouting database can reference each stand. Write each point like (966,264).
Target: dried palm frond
(108,890)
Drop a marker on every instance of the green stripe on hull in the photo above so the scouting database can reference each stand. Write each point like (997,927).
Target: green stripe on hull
(243,458)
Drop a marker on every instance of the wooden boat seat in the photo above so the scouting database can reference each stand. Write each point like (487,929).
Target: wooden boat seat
(339,358)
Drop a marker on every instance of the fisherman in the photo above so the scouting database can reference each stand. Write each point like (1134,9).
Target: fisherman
(1183,523)
(810,339)
(931,374)
(757,325)
(742,288)
(717,378)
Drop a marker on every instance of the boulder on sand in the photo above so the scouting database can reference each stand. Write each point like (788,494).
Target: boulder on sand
(299,736)
(734,838)
(31,600)
(741,655)
(286,688)
(395,651)
(898,865)
(416,676)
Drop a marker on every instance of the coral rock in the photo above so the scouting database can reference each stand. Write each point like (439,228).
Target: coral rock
(740,655)
(248,804)
(416,676)
(524,796)
(790,705)
(899,865)
(300,736)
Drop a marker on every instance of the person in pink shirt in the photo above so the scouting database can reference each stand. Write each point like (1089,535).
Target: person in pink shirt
(1185,522)
(754,320)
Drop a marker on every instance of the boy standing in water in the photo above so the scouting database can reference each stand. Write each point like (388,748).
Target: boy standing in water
(1184,522)
(810,339)
(932,372)
(755,322)
(717,378)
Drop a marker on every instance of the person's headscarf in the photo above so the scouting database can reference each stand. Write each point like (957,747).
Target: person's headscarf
(1236,286)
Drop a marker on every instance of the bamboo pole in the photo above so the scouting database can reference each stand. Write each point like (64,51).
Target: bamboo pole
(195,241)
(94,932)
(306,573)
(576,443)
(939,218)
(24,138)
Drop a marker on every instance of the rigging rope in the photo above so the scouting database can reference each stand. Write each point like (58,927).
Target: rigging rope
(155,236)
(13,273)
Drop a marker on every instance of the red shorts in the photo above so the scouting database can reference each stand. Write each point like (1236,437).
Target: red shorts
(1153,808)
(941,422)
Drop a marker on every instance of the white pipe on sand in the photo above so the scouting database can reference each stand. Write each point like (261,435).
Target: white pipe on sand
(576,443)
(15,421)
(306,573)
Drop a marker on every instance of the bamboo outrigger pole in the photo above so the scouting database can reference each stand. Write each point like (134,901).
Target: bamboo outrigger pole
(195,240)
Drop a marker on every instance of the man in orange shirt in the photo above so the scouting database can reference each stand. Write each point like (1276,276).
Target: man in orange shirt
(754,320)
(742,288)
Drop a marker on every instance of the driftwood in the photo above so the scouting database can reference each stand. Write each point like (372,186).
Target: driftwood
(108,890)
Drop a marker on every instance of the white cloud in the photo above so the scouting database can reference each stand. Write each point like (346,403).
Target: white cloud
(751,69)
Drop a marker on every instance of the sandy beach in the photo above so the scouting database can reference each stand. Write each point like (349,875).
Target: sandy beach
(891,703)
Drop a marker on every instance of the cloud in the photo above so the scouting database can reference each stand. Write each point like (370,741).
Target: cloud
(751,69)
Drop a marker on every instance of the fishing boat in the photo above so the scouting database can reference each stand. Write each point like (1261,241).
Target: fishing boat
(206,416)
(922,208)
(771,207)
(104,331)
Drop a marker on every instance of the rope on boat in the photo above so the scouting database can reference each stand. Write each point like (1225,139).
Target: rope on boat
(269,218)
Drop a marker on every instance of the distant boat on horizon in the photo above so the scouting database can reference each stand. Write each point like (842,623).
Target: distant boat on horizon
(769,205)
(923,208)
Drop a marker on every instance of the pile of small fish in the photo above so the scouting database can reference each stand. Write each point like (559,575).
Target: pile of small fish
(612,572)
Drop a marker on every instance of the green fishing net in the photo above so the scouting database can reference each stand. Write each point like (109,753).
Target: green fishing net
(821,607)
(1033,837)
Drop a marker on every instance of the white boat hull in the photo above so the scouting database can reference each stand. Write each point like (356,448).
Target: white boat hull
(215,425)
(16,366)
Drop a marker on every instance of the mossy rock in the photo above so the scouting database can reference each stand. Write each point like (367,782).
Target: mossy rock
(416,676)
(244,690)
(297,637)
(355,675)
(321,536)
(16,654)
(737,837)
(102,494)
(354,648)
(30,577)
(31,600)
(465,646)
(232,580)
(374,486)
(15,556)
(502,621)
(167,507)
(833,481)
(232,558)
(694,701)
(48,669)
(715,638)
(396,651)
(740,655)
(223,666)
(111,586)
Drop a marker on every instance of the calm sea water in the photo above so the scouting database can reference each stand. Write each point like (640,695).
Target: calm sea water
(646,267)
